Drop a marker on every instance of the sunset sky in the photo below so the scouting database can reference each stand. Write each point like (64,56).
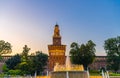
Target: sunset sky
(31,22)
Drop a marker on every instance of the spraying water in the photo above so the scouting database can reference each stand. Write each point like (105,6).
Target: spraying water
(103,76)
(35,74)
(67,74)
(107,74)
(47,74)
(88,73)
(68,63)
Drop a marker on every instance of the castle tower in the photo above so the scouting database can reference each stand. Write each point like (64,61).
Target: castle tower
(56,50)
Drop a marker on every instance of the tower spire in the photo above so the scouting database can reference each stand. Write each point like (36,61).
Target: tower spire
(56,31)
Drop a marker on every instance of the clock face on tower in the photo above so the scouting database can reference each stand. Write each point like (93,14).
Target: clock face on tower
(57,41)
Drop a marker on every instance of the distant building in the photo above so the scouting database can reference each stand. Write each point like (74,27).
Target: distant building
(4,58)
(2,61)
(56,50)
(100,61)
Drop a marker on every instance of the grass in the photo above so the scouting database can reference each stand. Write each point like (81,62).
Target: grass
(114,74)
(99,74)
(94,73)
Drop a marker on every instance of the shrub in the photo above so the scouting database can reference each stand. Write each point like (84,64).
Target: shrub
(94,72)
(4,68)
(14,72)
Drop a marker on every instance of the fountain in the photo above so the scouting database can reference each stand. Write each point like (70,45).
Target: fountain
(108,75)
(69,71)
(105,74)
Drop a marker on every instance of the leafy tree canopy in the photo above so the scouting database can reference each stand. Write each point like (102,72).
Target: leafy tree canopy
(13,61)
(39,61)
(26,64)
(4,68)
(5,47)
(25,53)
(82,54)
(34,64)
(112,48)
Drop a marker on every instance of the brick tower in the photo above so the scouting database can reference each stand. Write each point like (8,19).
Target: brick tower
(56,50)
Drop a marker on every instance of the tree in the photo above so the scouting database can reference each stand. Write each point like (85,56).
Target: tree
(24,65)
(4,68)
(15,72)
(25,53)
(13,61)
(5,47)
(75,53)
(112,48)
(39,62)
(82,54)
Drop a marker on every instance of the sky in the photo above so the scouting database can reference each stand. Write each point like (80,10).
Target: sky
(31,22)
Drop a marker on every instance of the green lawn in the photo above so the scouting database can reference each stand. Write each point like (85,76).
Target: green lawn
(114,74)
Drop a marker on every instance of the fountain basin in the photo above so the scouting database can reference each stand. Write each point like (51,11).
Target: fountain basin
(71,74)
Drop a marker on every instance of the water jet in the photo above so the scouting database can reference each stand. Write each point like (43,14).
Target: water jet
(69,71)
